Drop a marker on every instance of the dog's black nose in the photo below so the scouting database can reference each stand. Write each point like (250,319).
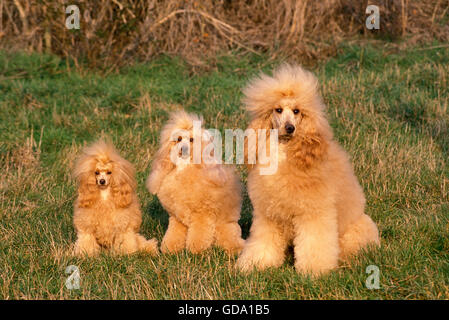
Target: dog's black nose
(289,128)
(102,181)
(185,150)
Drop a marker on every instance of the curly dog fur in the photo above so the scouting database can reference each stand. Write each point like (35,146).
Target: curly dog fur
(107,211)
(314,200)
(203,200)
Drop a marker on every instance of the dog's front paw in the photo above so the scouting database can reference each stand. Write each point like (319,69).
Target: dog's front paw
(199,238)
(150,246)
(197,245)
(172,244)
(245,263)
(316,268)
(236,247)
(259,257)
(83,250)
(256,260)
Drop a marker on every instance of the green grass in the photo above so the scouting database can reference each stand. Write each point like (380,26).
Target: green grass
(388,108)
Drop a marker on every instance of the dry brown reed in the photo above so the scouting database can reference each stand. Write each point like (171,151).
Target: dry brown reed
(115,32)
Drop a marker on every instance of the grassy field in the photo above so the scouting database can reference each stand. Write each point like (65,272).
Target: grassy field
(388,108)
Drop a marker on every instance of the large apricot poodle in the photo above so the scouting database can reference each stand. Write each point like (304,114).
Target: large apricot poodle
(313,200)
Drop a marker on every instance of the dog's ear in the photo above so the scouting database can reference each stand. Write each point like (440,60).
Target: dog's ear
(161,166)
(122,193)
(123,184)
(87,191)
(308,150)
(310,145)
(251,143)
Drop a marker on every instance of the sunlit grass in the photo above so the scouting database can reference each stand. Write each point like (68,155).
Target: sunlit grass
(389,110)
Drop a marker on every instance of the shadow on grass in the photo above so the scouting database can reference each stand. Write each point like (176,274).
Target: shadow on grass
(246,216)
(157,212)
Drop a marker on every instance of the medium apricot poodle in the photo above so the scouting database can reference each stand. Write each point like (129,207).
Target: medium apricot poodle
(203,200)
(107,211)
(313,200)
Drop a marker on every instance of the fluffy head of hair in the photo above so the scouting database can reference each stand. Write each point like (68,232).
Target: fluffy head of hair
(102,154)
(179,120)
(289,101)
(178,131)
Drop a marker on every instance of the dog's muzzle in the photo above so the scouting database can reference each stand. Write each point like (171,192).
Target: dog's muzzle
(289,128)
(185,151)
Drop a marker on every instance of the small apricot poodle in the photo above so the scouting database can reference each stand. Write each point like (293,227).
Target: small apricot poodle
(313,200)
(202,198)
(107,211)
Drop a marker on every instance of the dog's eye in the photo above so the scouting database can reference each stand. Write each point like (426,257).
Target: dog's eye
(179,139)
(97,173)
(296,111)
(109,172)
(191,139)
(278,110)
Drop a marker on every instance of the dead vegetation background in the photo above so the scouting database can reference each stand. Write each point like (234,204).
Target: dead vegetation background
(117,32)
